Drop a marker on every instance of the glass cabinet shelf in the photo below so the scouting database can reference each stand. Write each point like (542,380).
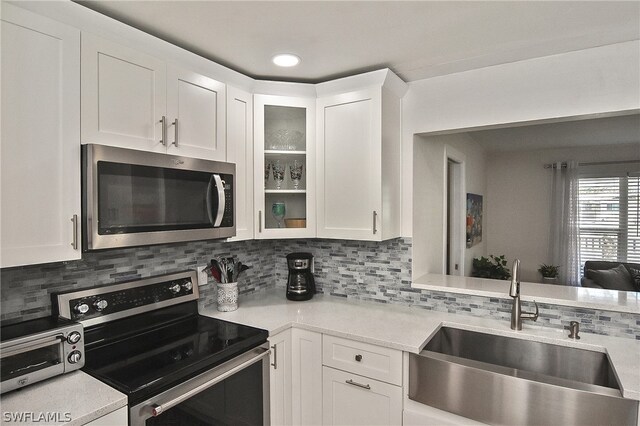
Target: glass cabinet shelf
(283,152)
(285,191)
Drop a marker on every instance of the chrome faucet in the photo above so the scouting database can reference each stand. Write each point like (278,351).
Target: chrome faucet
(514,291)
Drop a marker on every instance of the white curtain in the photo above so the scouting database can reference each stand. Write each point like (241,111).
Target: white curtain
(564,238)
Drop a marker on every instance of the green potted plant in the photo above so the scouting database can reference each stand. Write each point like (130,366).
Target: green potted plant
(494,267)
(549,273)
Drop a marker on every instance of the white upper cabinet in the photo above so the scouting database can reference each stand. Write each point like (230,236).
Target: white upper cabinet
(134,100)
(40,140)
(284,158)
(240,152)
(123,96)
(359,164)
(196,115)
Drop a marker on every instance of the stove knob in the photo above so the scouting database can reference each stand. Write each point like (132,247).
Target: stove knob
(187,286)
(81,308)
(74,357)
(175,289)
(74,337)
(100,304)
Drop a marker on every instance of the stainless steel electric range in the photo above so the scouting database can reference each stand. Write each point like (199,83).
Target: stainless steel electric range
(146,339)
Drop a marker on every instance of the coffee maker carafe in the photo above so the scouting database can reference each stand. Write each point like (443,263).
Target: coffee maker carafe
(300,284)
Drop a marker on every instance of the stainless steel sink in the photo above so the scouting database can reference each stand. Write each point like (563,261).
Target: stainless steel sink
(503,380)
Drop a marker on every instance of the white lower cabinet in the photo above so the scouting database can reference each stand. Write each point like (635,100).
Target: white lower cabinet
(349,399)
(114,418)
(306,377)
(280,378)
(306,389)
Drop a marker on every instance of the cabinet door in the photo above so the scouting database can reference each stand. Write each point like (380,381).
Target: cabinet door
(40,140)
(123,96)
(350,166)
(306,377)
(280,378)
(195,115)
(349,399)
(284,130)
(240,152)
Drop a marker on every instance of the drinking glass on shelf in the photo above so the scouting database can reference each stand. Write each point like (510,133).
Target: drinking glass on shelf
(267,166)
(278,173)
(278,210)
(295,169)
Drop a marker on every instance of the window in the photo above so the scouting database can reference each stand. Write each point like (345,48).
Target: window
(609,216)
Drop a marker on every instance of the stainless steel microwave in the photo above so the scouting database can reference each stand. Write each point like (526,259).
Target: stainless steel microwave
(134,198)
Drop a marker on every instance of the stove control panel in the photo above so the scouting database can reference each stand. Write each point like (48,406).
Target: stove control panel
(125,299)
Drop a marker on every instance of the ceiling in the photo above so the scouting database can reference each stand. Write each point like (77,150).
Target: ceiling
(416,39)
(591,132)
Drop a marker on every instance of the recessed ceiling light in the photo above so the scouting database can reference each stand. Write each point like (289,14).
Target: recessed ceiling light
(286,60)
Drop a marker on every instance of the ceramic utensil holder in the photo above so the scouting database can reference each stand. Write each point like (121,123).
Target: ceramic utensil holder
(227,297)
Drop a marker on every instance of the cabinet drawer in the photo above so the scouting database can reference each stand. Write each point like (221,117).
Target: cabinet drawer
(349,399)
(362,358)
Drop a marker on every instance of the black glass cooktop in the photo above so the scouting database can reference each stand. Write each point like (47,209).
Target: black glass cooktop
(150,353)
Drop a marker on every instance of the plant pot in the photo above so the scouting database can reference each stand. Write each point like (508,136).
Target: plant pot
(550,280)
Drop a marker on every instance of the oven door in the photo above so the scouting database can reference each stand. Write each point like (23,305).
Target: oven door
(31,362)
(233,393)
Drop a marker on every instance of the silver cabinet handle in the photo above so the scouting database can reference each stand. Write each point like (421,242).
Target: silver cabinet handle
(259,220)
(163,123)
(275,357)
(175,128)
(74,220)
(375,217)
(360,385)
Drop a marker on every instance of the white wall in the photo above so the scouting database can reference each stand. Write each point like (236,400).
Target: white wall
(429,194)
(519,199)
(590,81)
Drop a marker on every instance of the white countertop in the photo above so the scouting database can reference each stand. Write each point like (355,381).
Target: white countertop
(76,397)
(410,328)
(581,297)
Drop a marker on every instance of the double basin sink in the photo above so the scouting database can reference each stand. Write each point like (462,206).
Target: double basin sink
(502,380)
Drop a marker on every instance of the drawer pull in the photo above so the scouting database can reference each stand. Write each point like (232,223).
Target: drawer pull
(360,385)
(358,357)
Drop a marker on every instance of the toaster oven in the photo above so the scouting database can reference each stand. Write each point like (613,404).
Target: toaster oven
(38,349)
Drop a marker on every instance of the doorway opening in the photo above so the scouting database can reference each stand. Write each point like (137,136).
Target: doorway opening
(455,232)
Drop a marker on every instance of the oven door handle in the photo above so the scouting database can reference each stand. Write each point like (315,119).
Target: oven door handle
(36,344)
(159,408)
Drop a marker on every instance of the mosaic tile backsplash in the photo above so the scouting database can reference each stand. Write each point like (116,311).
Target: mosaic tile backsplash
(356,270)
(26,291)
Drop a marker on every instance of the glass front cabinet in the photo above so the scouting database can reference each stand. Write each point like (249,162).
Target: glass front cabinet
(284,167)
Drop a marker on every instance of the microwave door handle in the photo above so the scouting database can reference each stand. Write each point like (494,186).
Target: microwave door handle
(208,201)
(221,201)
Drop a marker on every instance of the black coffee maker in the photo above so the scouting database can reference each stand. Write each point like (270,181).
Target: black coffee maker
(300,284)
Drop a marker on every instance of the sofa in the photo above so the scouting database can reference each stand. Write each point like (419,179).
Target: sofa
(610,276)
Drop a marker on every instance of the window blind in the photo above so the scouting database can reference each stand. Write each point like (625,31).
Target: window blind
(608,218)
(633,221)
